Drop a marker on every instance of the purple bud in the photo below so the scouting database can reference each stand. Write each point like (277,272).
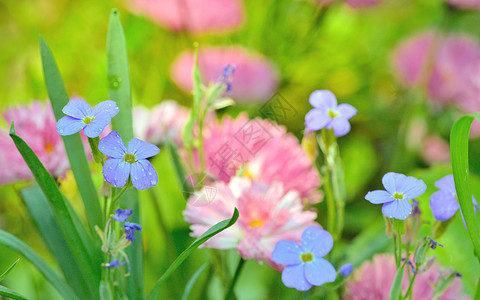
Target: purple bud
(346,270)
(121,215)
(130,229)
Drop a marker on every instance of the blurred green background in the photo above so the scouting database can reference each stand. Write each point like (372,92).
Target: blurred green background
(345,50)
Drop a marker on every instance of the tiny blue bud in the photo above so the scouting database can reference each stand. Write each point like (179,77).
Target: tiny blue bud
(122,214)
(346,270)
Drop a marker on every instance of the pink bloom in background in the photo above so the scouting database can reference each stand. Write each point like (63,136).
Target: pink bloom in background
(161,122)
(266,151)
(195,16)
(435,150)
(465,4)
(363,3)
(255,78)
(374,279)
(268,213)
(35,124)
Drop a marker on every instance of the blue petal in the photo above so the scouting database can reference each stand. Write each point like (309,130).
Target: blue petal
(142,149)
(116,171)
(108,108)
(143,175)
(391,180)
(294,277)
(323,99)
(340,126)
(412,188)
(317,241)
(96,127)
(68,125)
(346,270)
(112,145)
(320,271)
(316,119)
(77,108)
(130,229)
(346,111)
(447,184)
(443,205)
(398,209)
(379,197)
(122,214)
(286,253)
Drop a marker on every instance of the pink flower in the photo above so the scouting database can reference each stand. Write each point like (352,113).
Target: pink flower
(255,78)
(374,279)
(37,126)
(362,3)
(195,16)
(163,121)
(268,213)
(266,151)
(465,4)
(435,150)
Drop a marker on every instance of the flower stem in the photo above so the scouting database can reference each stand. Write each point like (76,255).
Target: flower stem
(330,201)
(230,293)
(397,263)
(116,197)
(409,293)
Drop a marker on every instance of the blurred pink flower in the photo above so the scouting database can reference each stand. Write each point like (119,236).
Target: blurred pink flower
(435,150)
(161,122)
(268,213)
(465,4)
(195,16)
(266,152)
(36,125)
(374,279)
(255,78)
(362,3)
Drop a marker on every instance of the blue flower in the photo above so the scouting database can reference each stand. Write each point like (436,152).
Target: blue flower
(444,203)
(79,115)
(346,270)
(399,189)
(125,161)
(121,215)
(327,114)
(227,76)
(130,230)
(304,263)
(114,264)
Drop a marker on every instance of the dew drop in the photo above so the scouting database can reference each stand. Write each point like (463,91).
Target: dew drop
(149,173)
(61,130)
(114,82)
(153,182)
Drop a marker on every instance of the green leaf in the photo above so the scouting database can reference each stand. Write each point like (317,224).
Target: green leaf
(105,291)
(60,210)
(119,91)
(9,269)
(11,294)
(191,282)
(73,143)
(396,288)
(459,152)
(37,205)
(215,229)
(178,167)
(10,241)
(197,83)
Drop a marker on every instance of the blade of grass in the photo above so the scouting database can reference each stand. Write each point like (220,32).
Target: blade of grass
(10,241)
(60,210)
(73,143)
(4,291)
(119,91)
(193,279)
(9,269)
(179,171)
(212,231)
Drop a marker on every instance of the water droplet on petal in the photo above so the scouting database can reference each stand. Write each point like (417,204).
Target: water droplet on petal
(149,173)
(61,130)
(153,182)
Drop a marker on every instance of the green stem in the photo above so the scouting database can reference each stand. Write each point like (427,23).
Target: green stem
(330,201)
(230,293)
(397,263)
(409,293)
(116,197)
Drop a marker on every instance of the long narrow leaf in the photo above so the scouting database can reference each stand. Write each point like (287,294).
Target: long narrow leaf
(37,205)
(179,171)
(119,91)
(191,282)
(459,151)
(73,143)
(10,241)
(9,269)
(60,211)
(11,294)
(215,229)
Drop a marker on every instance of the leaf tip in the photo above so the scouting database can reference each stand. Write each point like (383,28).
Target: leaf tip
(12,129)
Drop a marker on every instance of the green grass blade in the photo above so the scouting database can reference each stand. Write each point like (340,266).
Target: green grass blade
(10,241)
(37,205)
(179,171)
(60,211)
(119,91)
(191,282)
(396,289)
(215,229)
(73,143)
(9,269)
(11,294)
(459,152)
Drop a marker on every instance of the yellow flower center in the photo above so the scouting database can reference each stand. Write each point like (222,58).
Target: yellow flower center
(129,158)
(398,196)
(332,113)
(306,257)
(49,148)
(87,120)
(256,223)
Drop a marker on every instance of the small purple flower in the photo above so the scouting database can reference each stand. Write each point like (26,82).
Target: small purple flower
(304,263)
(227,76)
(130,230)
(125,161)
(121,215)
(346,270)
(114,264)
(328,114)
(399,189)
(444,203)
(79,115)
